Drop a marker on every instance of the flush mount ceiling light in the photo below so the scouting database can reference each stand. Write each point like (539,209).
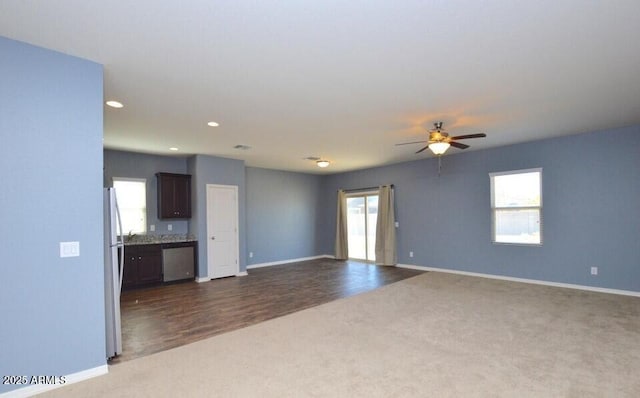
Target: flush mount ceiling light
(114,104)
(213,124)
(319,161)
(173,148)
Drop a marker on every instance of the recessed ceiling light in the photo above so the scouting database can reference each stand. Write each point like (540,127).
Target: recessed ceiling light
(213,124)
(114,104)
(173,148)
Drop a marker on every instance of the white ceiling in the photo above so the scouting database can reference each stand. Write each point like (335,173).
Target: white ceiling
(345,80)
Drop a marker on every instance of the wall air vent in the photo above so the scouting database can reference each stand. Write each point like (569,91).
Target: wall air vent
(242,147)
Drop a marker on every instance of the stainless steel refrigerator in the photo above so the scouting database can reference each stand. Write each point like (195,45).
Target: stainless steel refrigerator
(113,267)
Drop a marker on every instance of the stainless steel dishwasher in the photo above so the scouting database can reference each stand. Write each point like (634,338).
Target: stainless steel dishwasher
(177,263)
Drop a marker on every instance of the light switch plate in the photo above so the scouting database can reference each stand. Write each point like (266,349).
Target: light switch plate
(170,227)
(69,249)
(152,227)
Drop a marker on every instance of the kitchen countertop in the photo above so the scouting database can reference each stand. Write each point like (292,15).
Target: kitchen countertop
(157,239)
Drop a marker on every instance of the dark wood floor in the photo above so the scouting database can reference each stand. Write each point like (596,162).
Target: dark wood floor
(159,318)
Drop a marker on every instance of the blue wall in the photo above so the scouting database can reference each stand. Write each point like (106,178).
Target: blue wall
(589,189)
(52,158)
(591,215)
(51,162)
(281,214)
(139,165)
(275,199)
(214,170)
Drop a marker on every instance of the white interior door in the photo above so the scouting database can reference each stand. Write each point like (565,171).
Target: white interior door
(222,231)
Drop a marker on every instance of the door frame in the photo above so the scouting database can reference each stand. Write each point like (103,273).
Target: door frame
(237,222)
(363,194)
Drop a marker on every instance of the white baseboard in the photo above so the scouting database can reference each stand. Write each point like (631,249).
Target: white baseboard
(207,279)
(293,260)
(32,390)
(418,267)
(269,264)
(524,280)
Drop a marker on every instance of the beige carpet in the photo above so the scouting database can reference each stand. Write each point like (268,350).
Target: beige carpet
(434,335)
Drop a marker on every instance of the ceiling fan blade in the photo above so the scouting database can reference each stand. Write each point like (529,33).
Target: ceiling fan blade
(414,142)
(463,137)
(458,145)
(423,149)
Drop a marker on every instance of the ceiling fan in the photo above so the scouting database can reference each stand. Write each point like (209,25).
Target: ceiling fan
(439,140)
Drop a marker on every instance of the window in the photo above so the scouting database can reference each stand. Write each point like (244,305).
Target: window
(131,194)
(516,206)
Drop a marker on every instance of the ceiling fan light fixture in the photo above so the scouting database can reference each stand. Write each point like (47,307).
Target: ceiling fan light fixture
(323,163)
(439,148)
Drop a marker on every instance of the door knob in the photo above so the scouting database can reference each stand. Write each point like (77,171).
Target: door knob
(213,238)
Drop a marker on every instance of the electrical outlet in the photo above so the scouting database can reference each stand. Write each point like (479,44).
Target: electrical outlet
(250,254)
(594,270)
(397,224)
(152,227)
(170,227)
(410,254)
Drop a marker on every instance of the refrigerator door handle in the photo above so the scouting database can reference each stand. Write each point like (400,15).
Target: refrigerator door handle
(120,243)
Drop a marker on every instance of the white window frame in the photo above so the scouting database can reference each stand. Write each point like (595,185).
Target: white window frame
(141,180)
(364,194)
(494,208)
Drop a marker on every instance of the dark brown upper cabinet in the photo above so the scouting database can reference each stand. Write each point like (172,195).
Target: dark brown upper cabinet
(174,195)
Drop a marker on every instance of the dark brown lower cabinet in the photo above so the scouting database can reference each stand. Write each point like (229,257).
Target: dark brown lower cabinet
(142,265)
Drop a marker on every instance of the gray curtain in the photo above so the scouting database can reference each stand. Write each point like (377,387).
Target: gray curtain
(386,228)
(342,248)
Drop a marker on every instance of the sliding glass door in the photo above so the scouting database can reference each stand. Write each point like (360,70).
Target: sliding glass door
(362,214)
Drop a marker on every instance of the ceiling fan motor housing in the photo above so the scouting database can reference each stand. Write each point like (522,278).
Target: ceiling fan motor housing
(438,136)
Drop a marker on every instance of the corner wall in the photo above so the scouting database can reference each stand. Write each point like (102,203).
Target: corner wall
(51,161)
(281,215)
(214,170)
